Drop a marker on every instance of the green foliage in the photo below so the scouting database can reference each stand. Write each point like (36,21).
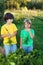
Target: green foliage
(20,57)
(36,5)
(37,25)
(2,8)
(17,4)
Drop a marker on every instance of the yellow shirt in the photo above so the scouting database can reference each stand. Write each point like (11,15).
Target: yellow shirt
(11,29)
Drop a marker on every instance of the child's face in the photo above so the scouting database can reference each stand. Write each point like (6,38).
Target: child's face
(9,21)
(27,25)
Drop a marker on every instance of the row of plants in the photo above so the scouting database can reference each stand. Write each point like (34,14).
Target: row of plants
(20,57)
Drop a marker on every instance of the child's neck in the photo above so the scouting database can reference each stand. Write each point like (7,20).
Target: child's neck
(27,29)
(8,23)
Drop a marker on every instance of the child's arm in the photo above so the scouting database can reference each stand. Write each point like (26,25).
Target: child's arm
(31,35)
(5,35)
(9,35)
(20,42)
(3,30)
(14,34)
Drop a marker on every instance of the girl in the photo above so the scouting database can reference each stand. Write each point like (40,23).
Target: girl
(26,36)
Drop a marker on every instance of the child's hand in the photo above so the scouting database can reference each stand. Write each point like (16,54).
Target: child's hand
(31,35)
(20,47)
(9,35)
(6,35)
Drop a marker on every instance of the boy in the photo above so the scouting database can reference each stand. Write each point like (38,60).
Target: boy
(8,33)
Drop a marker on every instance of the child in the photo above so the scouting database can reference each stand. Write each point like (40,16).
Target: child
(8,33)
(26,36)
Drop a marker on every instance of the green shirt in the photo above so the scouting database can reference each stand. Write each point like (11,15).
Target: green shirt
(26,39)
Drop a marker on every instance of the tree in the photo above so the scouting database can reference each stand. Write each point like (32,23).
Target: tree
(15,3)
(2,8)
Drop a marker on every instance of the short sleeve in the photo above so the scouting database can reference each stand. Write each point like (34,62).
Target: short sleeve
(33,32)
(2,30)
(14,27)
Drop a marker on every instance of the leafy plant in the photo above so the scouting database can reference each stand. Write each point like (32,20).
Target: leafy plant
(20,57)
